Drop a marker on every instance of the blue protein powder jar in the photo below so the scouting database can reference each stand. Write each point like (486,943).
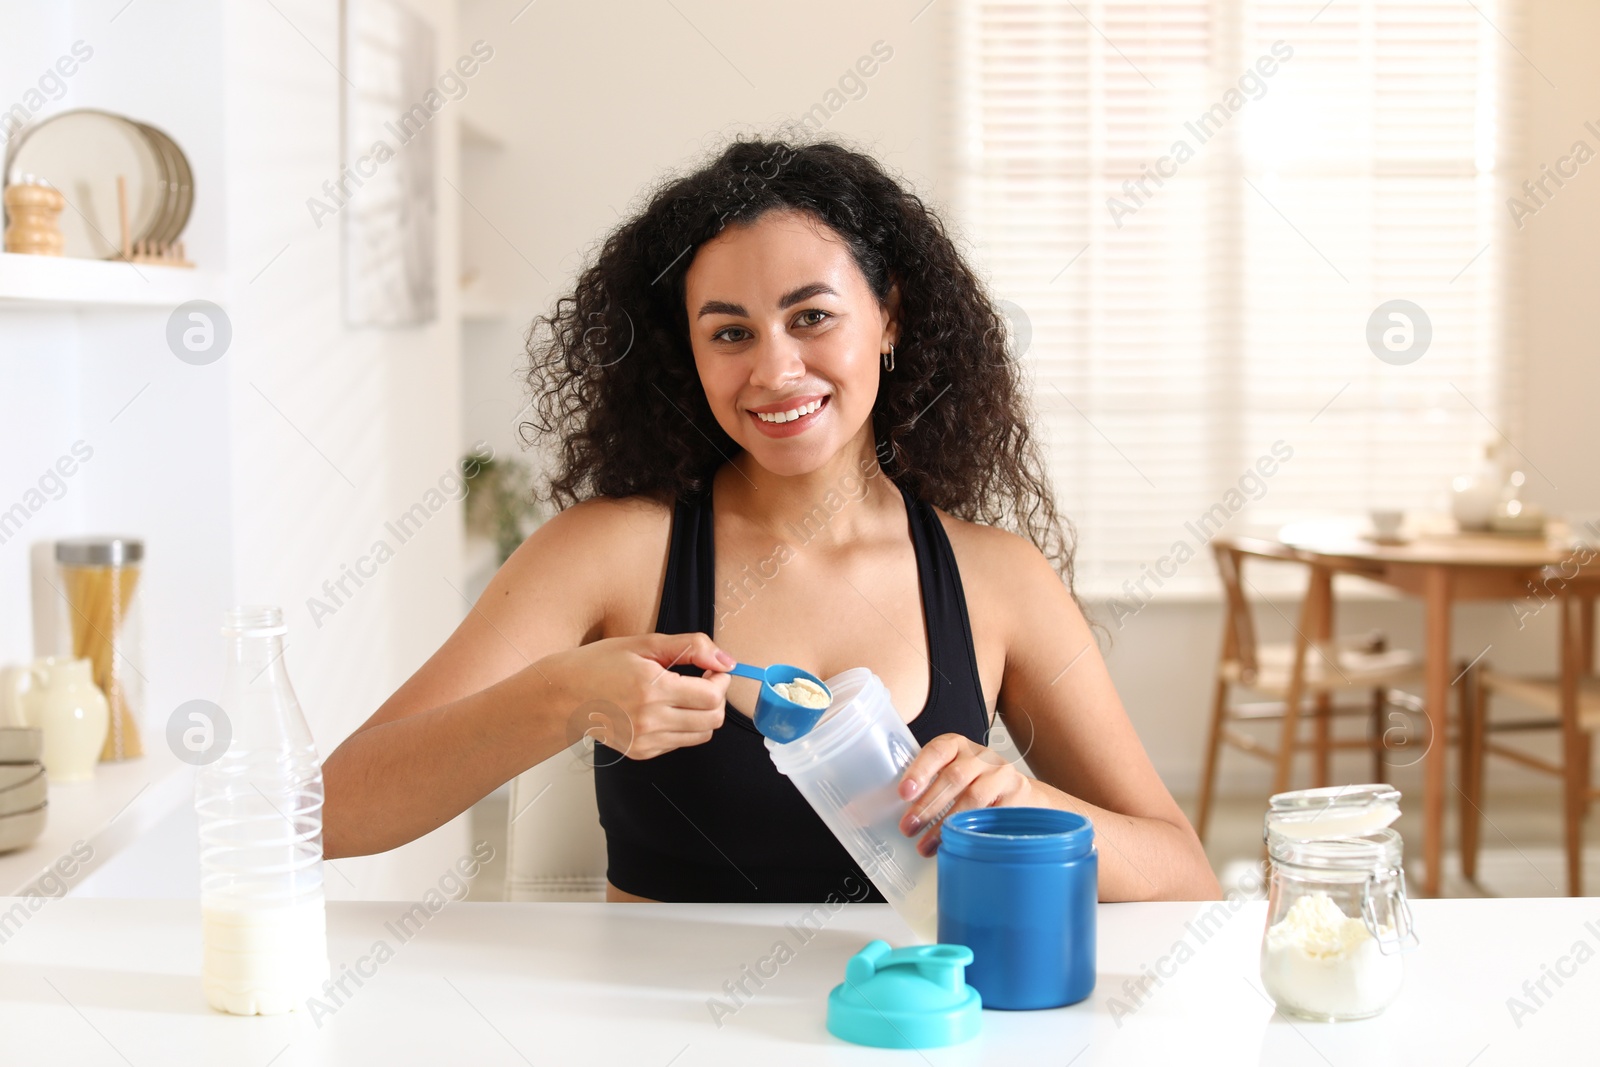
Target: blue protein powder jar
(1018,886)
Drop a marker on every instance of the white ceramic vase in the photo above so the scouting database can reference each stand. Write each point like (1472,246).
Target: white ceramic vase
(13,683)
(63,701)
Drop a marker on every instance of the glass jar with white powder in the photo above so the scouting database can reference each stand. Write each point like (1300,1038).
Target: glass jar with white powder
(1337,917)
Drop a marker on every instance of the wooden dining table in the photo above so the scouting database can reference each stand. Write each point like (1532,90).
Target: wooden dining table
(1441,567)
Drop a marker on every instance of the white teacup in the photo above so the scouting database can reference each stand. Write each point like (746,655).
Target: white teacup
(1386,523)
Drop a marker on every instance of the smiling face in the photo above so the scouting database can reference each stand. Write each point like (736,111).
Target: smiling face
(786,335)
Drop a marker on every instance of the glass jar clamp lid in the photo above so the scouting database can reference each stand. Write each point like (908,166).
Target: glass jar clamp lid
(1342,834)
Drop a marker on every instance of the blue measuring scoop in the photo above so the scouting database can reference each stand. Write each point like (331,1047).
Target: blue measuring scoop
(778,717)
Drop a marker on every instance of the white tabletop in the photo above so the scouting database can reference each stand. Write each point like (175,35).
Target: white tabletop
(88,981)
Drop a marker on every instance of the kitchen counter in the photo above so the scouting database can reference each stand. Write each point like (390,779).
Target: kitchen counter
(91,981)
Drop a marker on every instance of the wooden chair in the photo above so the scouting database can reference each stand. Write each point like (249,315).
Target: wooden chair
(1315,665)
(1570,702)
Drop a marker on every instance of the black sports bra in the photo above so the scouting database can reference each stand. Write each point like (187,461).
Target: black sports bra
(717,822)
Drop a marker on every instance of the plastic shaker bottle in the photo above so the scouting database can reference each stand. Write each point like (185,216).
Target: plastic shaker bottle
(848,767)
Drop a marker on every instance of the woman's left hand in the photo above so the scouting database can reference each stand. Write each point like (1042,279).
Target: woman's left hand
(954,773)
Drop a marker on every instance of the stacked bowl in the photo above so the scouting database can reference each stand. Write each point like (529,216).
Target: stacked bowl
(22,787)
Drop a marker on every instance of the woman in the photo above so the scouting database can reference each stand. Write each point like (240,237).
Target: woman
(790,334)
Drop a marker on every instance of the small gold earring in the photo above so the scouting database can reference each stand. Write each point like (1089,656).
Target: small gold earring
(888,359)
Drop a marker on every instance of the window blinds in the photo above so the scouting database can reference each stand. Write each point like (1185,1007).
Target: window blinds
(1192,209)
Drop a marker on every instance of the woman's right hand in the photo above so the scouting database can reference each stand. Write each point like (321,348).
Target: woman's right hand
(623,694)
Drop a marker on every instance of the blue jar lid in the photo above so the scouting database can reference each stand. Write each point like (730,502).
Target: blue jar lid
(906,997)
(1036,835)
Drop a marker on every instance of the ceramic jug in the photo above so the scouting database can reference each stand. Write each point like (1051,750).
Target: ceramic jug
(13,683)
(63,701)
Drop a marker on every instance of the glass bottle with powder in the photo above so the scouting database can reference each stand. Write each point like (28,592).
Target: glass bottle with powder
(1337,918)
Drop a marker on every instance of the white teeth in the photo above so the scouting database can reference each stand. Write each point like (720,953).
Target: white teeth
(790,415)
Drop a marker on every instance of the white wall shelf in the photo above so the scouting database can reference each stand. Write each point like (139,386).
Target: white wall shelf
(61,281)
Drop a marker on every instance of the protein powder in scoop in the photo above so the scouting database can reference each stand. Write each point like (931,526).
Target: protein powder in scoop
(803,691)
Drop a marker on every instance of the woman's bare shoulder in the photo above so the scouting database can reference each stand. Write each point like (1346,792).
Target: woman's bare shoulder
(609,532)
(1005,576)
(607,551)
(994,554)
(613,518)
(1016,600)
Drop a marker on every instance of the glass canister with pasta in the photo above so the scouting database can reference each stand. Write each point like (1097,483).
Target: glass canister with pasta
(100,586)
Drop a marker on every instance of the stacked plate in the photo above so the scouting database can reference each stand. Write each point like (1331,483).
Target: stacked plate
(22,787)
(81,153)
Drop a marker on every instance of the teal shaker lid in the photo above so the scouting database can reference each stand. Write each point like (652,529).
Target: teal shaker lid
(906,997)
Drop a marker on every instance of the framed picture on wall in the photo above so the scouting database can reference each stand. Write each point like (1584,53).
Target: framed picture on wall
(389,157)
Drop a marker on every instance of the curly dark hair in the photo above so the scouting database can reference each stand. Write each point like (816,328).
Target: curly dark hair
(613,376)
